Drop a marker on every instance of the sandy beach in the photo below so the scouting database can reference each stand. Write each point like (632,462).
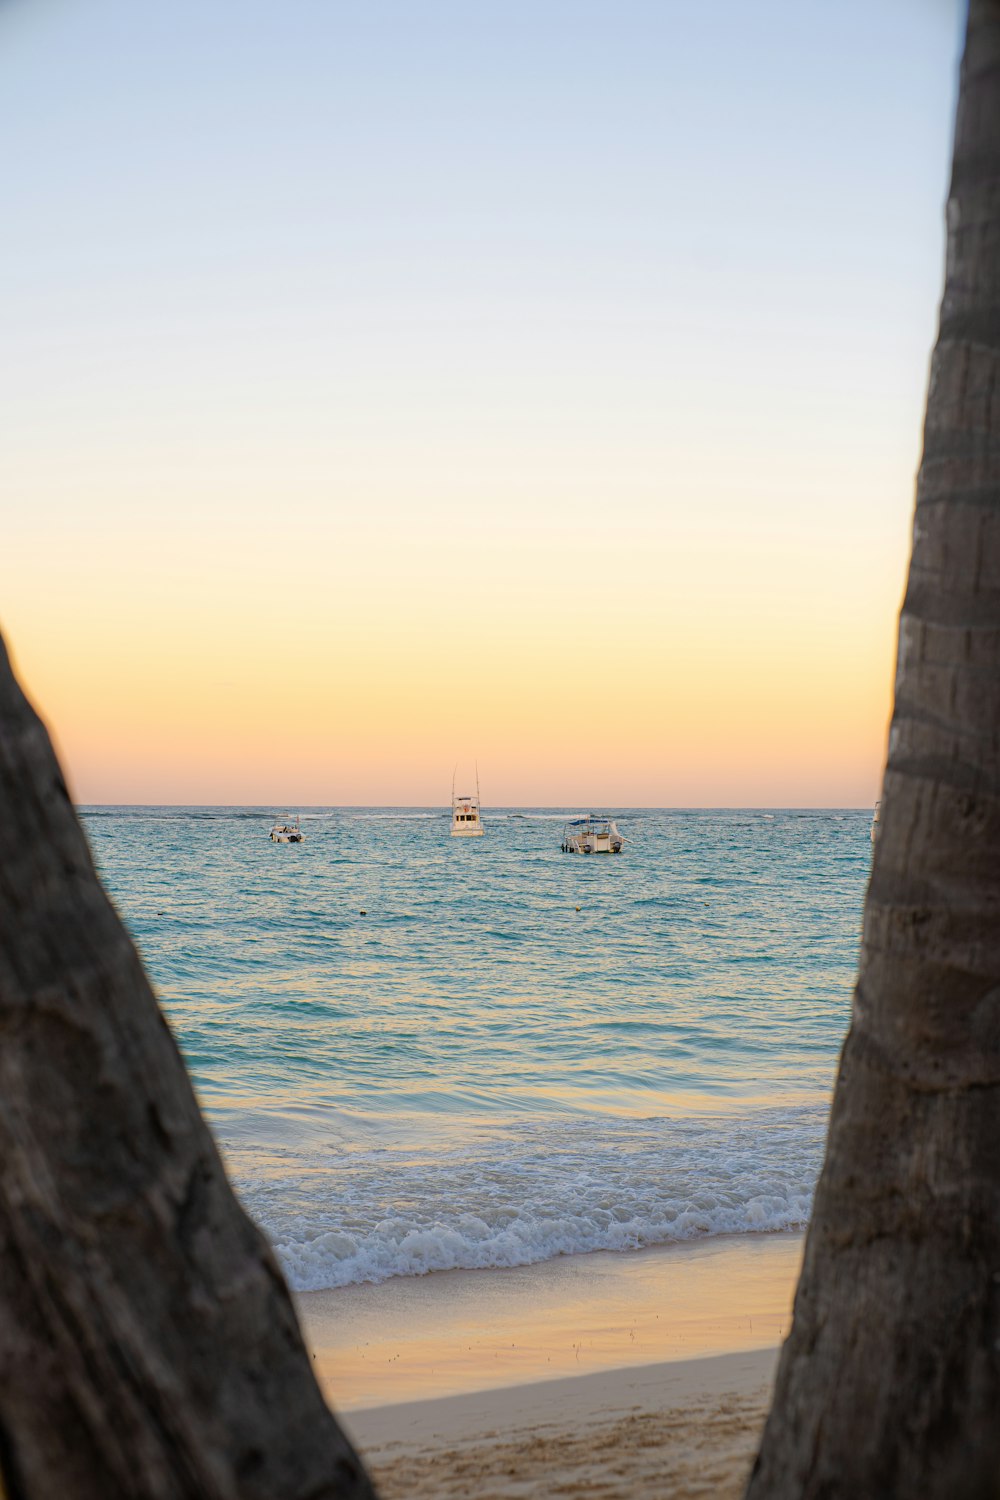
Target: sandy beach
(681,1429)
(602,1375)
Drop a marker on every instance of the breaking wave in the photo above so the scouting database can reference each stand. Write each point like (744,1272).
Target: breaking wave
(530,1195)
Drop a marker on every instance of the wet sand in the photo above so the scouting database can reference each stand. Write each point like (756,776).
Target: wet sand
(644,1374)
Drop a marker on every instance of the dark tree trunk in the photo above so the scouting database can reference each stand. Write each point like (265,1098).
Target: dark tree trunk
(148,1346)
(889,1384)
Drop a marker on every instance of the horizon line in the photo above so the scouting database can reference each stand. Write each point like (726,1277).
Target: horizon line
(504,806)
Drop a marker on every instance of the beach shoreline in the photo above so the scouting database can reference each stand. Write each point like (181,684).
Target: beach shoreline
(454,1332)
(641,1373)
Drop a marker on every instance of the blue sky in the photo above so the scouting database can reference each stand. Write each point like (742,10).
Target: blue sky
(564,278)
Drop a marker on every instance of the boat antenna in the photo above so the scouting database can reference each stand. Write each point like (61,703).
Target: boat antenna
(453,775)
(478,799)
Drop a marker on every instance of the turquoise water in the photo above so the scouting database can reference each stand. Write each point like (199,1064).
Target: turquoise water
(513,1053)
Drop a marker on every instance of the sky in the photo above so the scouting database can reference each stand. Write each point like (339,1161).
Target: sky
(397,386)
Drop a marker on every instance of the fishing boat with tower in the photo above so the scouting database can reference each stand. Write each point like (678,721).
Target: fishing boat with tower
(466,819)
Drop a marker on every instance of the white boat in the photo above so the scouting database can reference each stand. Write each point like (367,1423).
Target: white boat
(593,834)
(287,833)
(466,819)
(876,821)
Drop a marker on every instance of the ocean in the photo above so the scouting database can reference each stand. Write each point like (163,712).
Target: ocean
(421,1053)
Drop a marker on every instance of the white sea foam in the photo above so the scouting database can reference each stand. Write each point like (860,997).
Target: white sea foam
(522,1197)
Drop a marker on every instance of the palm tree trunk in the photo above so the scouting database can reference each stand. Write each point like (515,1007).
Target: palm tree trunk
(889,1384)
(148,1345)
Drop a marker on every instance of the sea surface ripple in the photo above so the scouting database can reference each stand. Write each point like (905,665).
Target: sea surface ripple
(422,1053)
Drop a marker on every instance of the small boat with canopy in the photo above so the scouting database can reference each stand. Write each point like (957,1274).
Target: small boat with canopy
(594,834)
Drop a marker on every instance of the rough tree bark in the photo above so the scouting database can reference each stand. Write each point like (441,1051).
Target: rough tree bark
(148,1345)
(889,1384)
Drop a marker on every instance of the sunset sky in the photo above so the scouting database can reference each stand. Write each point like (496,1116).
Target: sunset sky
(392,385)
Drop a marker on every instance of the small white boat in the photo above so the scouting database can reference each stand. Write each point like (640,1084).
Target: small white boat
(876,822)
(287,833)
(593,834)
(466,818)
